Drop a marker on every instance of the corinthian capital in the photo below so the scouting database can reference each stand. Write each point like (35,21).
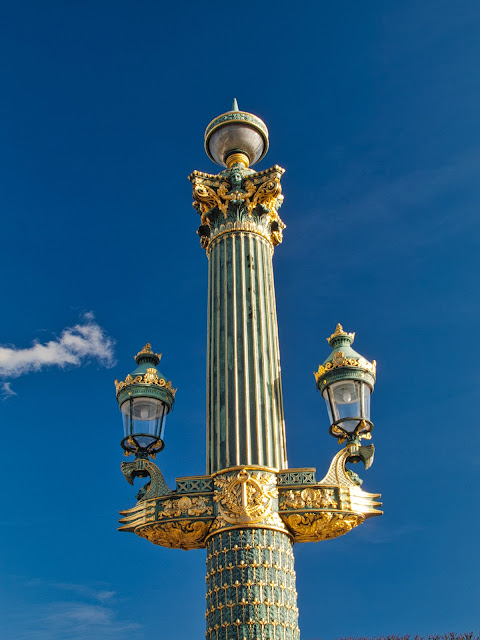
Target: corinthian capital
(238,199)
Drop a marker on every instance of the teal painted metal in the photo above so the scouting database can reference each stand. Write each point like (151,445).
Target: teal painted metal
(251,586)
(144,362)
(341,345)
(245,421)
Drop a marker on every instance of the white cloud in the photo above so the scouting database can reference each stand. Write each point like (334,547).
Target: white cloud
(6,390)
(82,342)
(102,595)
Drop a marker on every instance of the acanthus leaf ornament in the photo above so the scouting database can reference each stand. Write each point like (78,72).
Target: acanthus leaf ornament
(239,195)
(308,527)
(184,534)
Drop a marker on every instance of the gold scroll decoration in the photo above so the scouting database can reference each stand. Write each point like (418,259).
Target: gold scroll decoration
(183,534)
(312,527)
(308,498)
(192,506)
(175,522)
(340,360)
(150,377)
(260,188)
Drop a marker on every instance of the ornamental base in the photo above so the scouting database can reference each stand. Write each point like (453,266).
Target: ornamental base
(251,586)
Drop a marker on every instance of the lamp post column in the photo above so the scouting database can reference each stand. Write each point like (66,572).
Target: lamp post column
(249,508)
(250,566)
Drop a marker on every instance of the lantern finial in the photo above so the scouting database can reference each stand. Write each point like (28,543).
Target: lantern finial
(340,332)
(147,355)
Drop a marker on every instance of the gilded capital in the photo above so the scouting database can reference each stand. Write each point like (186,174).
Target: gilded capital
(238,199)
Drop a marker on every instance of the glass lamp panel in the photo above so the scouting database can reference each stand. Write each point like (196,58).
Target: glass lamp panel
(366,391)
(346,401)
(327,397)
(147,416)
(241,137)
(125,409)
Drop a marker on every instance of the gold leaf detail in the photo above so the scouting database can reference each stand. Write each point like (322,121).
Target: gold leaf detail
(312,527)
(309,498)
(246,497)
(176,508)
(186,534)
(339,360)
(150,377)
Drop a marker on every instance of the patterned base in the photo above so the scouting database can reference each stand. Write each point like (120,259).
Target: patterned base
(251,586)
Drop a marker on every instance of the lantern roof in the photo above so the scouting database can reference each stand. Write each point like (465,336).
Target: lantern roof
(344,362)
(146,379)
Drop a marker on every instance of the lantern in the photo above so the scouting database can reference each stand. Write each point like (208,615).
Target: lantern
(144,397)
(346,380)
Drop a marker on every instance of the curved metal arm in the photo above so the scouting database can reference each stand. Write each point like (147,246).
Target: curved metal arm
(142,468)
(337,473)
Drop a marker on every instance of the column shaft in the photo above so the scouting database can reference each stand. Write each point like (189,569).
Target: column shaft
(251,586)
(245,422)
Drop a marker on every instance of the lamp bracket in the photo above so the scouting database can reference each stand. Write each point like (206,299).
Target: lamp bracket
(142,468)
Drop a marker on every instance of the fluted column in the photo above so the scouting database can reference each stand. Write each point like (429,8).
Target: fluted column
(245,423)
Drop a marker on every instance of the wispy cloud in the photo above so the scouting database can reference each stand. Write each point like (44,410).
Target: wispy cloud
(84,341)
(102,595)
(98,593)
(76,621)
(6,390)
(91,615)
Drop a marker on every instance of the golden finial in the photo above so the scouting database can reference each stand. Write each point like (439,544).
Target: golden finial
(147,351)
(340,332)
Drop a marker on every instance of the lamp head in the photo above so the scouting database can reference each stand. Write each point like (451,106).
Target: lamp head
(236,136)
(346,380)
(145,397)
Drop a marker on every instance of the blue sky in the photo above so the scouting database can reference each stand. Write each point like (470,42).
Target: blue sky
(372,109)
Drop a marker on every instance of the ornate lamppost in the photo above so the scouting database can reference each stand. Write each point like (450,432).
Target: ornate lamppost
(250,508)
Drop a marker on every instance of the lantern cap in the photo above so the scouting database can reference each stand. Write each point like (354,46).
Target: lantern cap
(238,135)
(344,362)
(147,355)
(340,337)
(146,380)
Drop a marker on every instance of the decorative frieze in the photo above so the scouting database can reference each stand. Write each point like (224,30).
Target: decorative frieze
(249,497)
(296,476)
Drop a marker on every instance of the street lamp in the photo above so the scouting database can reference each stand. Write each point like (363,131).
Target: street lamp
(236,136)
(249,508)
(346,381)
(145,397)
